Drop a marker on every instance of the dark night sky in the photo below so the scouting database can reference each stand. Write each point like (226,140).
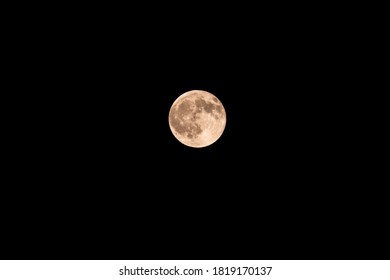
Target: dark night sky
(95,142)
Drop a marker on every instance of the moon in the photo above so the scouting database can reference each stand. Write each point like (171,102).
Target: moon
(197,118)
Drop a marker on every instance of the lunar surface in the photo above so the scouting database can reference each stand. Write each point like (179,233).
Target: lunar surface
(197,118)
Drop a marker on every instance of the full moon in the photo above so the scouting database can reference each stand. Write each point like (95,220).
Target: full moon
(197,118)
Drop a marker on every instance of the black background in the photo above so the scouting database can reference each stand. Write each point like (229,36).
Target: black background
(97,174)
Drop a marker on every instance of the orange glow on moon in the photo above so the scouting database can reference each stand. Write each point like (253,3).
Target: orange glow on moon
(197,118)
